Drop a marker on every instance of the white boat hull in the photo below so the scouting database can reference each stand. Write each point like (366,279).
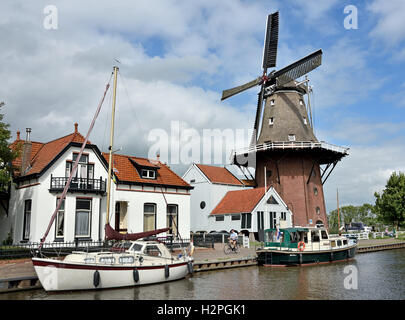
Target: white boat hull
(56,275)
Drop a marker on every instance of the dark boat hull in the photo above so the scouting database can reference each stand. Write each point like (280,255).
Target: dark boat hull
(267,257)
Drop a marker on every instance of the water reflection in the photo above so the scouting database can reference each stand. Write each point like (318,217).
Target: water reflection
(381,275)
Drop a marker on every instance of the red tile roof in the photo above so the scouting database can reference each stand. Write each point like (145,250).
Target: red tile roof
(219,175)
(126,171)
(43,153)
(239,201)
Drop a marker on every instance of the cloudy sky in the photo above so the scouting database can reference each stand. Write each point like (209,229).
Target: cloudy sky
(176,57)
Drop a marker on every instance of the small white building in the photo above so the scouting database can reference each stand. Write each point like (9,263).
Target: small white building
(145,195)
(250,211)
(210,183)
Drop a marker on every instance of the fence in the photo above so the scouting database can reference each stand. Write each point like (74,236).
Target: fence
(209,239)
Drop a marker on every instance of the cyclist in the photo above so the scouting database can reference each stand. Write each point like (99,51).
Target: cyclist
(233,238)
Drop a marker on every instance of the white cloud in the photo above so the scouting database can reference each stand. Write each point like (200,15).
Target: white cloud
(390,26)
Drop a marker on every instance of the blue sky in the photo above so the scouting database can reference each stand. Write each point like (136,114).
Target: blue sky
(177,57)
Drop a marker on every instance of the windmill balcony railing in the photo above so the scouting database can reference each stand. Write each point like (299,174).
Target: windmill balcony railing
(78,184)
(290,145)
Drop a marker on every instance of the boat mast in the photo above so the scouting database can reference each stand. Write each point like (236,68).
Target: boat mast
(337,197)
(110,157)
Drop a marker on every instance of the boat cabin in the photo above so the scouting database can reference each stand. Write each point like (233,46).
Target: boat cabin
(312,239)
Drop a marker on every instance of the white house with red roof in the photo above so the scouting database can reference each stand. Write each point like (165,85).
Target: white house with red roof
(145,195)
(220,202)
(250,211)
(210,183)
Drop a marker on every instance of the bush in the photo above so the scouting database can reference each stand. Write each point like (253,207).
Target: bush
(9,240)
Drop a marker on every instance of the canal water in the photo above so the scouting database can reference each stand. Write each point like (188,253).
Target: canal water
(378,275)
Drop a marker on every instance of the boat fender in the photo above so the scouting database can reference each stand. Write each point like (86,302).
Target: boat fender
(349,254)
(140,259)
(190,267)
(331,256)
(301,246)
(96,278)
(300,258)
(136,275)
(167,271)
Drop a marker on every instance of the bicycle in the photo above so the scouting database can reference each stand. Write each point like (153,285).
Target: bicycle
(228,248)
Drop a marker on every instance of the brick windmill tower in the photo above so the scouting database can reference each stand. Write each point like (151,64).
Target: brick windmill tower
(288,156)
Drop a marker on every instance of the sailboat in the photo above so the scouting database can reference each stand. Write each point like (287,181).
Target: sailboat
(135,261)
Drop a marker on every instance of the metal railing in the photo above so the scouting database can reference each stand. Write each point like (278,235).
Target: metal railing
(28,250)
(78,184)
(291,145)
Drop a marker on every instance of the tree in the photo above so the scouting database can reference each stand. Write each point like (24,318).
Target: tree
(364,213)
(390,204)
(6,154)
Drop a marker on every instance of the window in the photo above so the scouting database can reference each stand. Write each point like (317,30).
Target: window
(235,217)
(272,103)
(283,216)
(60,220)
(272,200)
(148,174)
(316,191)
(318,210)
(305,120)
(192,180)
(109,260)
(126,259)
(324,235)
(271,121)
(291,137)
(172,218)
(260,220)
(314,236)
(27,219)
(83,214)
(301,102)
(202,204)
(339,243)
(149,216)
(273,220)
(153,251)
(219,218)
(246,220)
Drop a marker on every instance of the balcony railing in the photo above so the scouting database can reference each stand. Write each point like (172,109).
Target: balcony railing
(78,184)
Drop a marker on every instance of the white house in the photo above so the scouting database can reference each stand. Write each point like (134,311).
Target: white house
(145,195)
(210,183)
(249,211)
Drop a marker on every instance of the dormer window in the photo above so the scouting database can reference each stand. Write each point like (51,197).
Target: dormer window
(291,137)
(148,174)
(272,103)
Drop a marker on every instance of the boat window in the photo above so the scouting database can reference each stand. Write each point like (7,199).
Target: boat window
(314,236)
(294,237)
(107,260)
(153,251)
(324,234)
(128,259)
(137,247)
(344,242)
(339,243)
(333,244)
(88,260)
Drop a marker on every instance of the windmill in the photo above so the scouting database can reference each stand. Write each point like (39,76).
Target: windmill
(268,81)
(287,154)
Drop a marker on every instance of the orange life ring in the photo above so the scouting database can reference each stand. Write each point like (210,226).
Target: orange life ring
(301,246)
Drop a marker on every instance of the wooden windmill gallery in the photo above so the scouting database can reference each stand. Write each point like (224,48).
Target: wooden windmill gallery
(288,156)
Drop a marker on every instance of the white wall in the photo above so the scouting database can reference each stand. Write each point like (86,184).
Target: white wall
(208,192)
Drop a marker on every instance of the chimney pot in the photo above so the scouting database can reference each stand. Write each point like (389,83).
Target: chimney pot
(28,130)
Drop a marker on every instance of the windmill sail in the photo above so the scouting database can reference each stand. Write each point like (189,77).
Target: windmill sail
(271,41)
(231,92)
(298,68)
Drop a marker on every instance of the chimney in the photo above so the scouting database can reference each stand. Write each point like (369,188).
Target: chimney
(18,135)
(76,125)
(26,153)
(158,157)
